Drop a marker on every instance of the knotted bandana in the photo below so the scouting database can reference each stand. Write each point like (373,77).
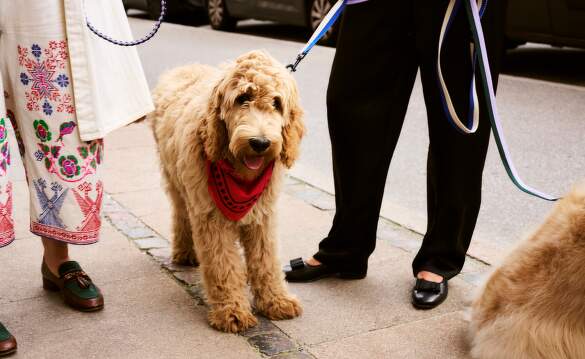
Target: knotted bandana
(233,195)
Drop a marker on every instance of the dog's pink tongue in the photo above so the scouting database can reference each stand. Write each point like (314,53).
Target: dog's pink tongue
(253,162)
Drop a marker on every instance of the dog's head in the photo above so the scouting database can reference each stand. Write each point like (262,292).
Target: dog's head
(254,115)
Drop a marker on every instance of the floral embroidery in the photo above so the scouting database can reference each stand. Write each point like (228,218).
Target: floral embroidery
(69,166)
(6,221)
(47,109)
(62,80)
(4,148)
(93,151)
(66,129)
(3,131)
(42,130)
(41,75)
(89,208)
(50,207)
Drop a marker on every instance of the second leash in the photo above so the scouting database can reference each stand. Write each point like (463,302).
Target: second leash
(150,35)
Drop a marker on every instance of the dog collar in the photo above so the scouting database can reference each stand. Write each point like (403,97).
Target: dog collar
(233,195)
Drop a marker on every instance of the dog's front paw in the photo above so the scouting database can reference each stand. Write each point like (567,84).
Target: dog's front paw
(231,318)
(283,307)
(185,257)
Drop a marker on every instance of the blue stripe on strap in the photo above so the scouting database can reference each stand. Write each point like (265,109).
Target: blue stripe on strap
(321,30)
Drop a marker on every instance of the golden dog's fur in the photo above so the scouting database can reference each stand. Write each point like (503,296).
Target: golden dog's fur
(533,305)
(204,113)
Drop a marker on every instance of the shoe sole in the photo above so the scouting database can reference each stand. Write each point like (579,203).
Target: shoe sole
(8,352)
(427,306)
(52,287)
(340,275)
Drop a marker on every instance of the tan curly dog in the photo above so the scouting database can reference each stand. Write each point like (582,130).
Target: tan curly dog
(248,114)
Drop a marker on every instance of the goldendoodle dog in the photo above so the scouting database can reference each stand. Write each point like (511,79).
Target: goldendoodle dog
(225,136)
(533,305)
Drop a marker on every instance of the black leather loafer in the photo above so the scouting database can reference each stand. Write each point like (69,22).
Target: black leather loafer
(299,272)
(428,295)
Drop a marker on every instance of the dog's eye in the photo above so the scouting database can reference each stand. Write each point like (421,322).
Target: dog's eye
(277,104)
(243,98)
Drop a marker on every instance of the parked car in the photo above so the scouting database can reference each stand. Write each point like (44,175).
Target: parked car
(224,14)
(175,8)
(554,22)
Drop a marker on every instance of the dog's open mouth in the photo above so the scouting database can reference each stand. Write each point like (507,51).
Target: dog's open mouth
(253,162)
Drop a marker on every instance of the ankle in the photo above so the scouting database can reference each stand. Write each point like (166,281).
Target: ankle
(54,263)
(313,262)
(429,276)
(55,254)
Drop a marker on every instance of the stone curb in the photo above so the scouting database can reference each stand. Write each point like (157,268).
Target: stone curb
(266,337)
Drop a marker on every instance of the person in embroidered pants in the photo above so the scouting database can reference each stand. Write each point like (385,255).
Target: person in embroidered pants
(40,101)
(382,44)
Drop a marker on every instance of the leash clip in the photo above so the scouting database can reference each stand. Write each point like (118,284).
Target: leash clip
(293,67)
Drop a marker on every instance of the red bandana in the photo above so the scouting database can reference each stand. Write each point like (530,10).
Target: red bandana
(233,195)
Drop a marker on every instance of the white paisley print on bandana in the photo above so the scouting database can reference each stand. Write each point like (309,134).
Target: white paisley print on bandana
(66,193)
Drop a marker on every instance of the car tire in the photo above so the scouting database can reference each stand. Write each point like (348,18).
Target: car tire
(318,9)
(219,16)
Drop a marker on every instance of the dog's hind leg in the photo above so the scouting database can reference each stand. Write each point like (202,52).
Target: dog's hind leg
(224,275)
(183,251)
(264,273)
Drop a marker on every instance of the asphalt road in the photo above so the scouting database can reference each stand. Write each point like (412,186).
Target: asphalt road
(544,123)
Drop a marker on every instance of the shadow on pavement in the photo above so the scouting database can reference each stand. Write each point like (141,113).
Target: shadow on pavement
(562,65)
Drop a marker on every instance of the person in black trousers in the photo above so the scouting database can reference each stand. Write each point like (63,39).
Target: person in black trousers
(381,46)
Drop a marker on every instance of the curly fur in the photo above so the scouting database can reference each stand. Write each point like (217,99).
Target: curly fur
(199,115)
(533,305)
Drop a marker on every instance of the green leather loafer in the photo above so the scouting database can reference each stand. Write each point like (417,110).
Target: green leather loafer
(76,287)
(7,342)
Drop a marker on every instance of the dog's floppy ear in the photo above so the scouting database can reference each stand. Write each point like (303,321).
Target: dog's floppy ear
(294,127)
(213,131)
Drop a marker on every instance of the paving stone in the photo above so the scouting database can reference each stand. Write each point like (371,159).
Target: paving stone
(442,337)
(264,326)
(272,343)
(293,355)
(196,291)
(149,243)
(139,232)
(190,277)
(163,257)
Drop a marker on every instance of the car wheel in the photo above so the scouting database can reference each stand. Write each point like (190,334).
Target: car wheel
(317,12)
(219,17)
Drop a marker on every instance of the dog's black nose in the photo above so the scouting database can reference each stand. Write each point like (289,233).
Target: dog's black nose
(259,144)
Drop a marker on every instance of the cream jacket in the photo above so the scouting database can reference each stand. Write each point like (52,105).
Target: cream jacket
(108,81)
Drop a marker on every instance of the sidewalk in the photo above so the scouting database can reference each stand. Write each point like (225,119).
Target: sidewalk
(155,310)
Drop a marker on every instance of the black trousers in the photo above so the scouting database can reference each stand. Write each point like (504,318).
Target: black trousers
(382,44)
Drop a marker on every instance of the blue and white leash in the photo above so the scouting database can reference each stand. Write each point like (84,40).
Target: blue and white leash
(324,26)
(158,23)
(479,57)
